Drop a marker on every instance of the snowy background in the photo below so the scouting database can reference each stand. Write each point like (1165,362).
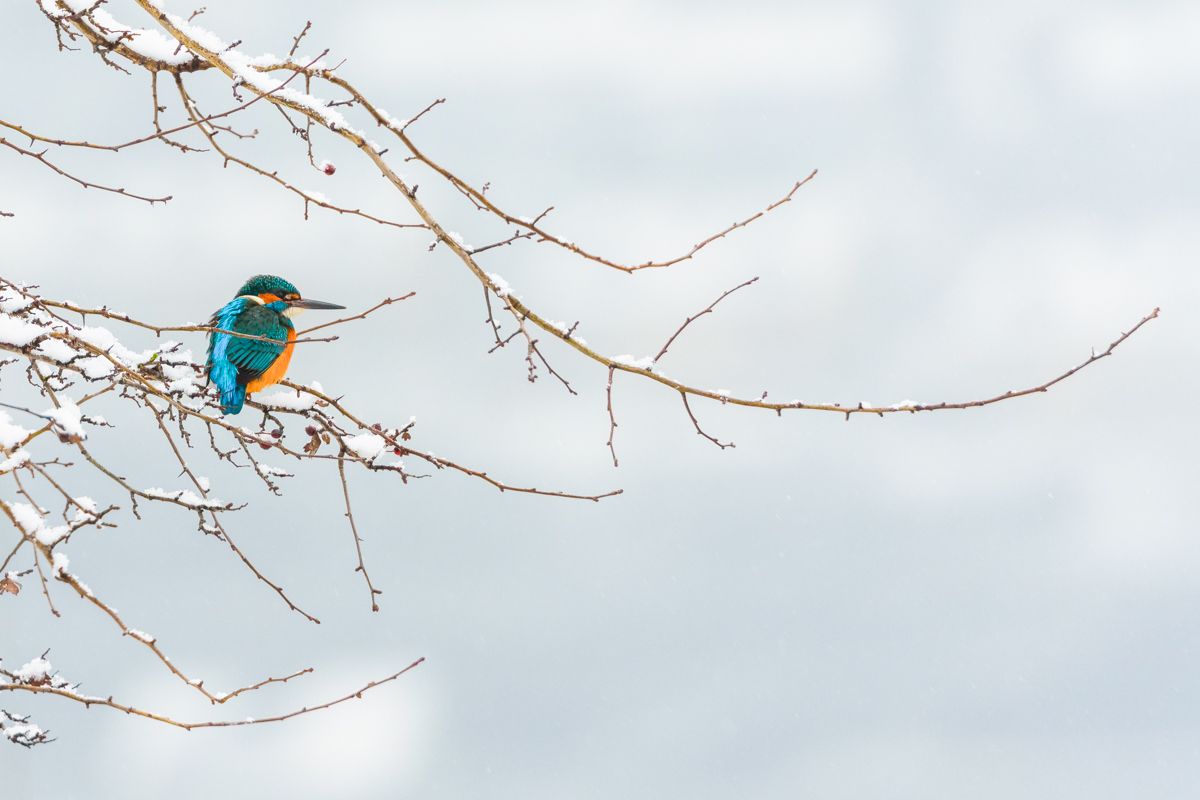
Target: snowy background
(986,604)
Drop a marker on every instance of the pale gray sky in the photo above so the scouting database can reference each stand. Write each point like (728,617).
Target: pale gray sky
(988,604)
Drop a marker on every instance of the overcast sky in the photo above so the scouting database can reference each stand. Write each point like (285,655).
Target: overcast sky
(982,604)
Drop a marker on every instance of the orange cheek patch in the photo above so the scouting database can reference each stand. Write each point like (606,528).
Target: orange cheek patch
(268,298)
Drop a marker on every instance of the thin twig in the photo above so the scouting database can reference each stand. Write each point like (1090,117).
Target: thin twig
(697,316)
(612,420)
(362,567)
(700,430)
(84,183)
(108,702)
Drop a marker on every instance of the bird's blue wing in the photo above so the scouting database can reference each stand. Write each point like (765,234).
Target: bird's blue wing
(234,361)
(253,357)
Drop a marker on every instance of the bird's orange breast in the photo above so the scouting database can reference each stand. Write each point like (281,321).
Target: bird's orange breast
(278,368)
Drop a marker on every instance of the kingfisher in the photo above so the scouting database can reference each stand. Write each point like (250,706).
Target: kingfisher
(264,306)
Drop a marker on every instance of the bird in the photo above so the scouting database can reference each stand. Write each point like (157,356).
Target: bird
(263,307)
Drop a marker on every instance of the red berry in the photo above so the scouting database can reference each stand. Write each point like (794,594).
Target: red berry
(276,433)
(329,169)
(265,445)
(310,430)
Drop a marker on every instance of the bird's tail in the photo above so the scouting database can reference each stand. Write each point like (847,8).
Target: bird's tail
(232,399)
(233,392)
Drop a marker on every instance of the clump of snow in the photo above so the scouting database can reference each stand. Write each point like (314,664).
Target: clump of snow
(289,399)
(25,732)
(903,404)
(185,497)
(141,636)
(51,8)
(499,284)
(51,536)
(88,503)
(85,509)
(69,419)
(204,37)
(28,518)
(56,350)
(59,563)
(271,472)
(31,521)
(316,197)
(38,670)
(104,339)
(390,120)
(180,374)
(11,301)
(96,367)
(15,460)
(366,446)
(19,332)
(144,42)
(646,362)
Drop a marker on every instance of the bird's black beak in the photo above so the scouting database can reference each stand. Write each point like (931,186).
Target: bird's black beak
(316,304)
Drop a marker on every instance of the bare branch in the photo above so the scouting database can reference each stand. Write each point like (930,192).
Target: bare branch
(699,430)
(362,567)
(108,702)
(612,420)
(695,317)
(41,157)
